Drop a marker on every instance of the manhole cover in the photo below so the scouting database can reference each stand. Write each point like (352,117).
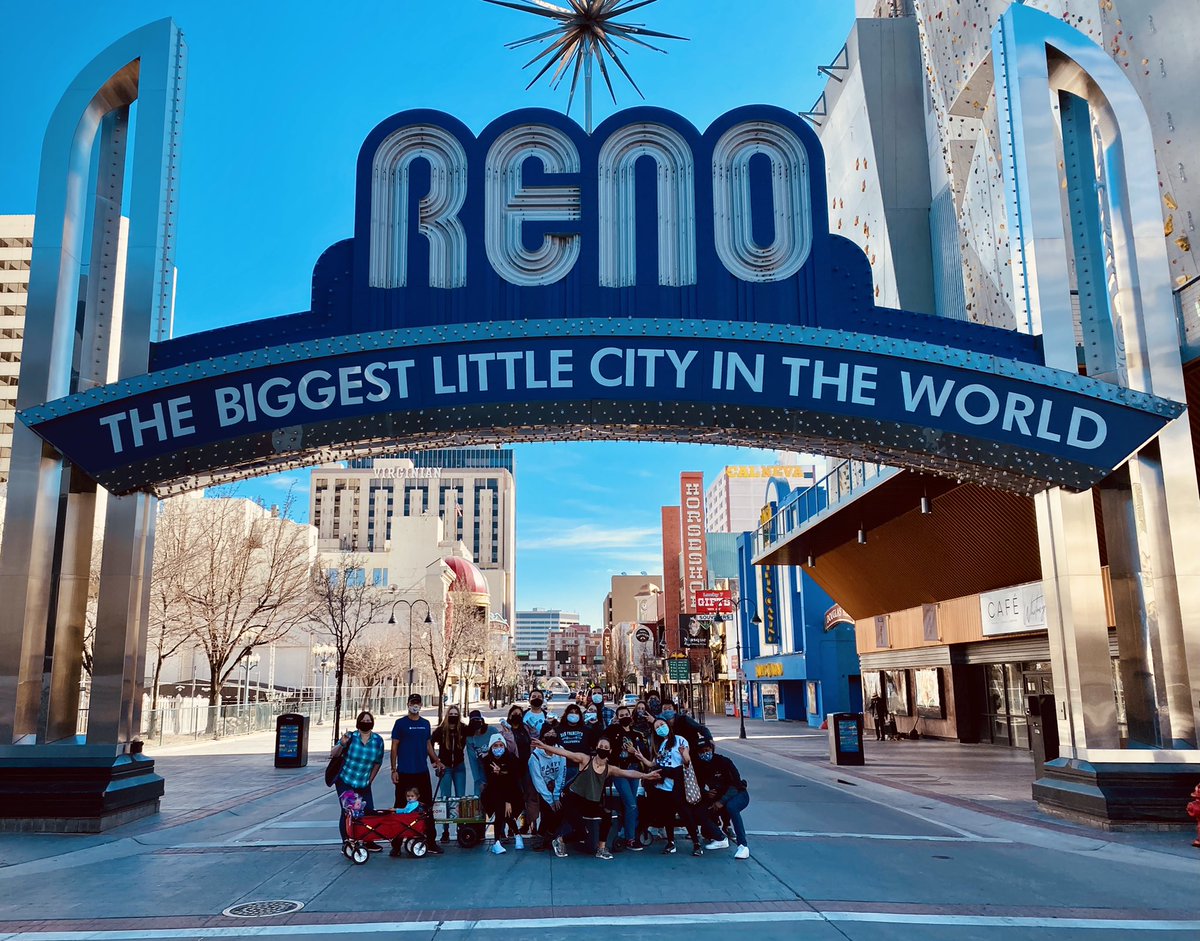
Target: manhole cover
(263,909)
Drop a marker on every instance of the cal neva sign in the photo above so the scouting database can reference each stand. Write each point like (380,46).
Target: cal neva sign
(535,282)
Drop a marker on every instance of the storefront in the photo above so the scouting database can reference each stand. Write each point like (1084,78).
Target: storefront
(780,688)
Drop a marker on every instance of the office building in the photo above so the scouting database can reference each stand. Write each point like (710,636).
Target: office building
(573,651)
(531,637)
(470,490)
(16,252)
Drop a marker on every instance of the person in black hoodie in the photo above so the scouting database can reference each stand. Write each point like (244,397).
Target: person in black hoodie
(723,792)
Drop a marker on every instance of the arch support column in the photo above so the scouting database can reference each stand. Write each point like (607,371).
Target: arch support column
(53,774)
(1057,91)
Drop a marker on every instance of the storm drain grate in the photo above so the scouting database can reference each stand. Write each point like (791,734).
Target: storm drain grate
(266,909)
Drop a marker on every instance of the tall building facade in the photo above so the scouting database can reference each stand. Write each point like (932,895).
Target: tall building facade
(531,637)
(573,650)
(471,490)
(735,498)
(16,252)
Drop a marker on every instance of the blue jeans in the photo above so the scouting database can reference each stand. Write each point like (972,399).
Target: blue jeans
(340,787)
(453,779)
(734,807)
(627,791)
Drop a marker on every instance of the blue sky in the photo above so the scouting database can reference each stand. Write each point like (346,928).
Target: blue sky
(279,99)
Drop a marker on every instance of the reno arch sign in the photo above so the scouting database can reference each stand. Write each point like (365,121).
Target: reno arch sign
(648,281)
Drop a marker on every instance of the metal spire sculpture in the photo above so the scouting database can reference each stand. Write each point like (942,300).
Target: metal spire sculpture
(584,31)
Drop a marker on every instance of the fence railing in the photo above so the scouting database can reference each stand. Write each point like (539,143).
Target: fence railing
(844,482)
(176,721)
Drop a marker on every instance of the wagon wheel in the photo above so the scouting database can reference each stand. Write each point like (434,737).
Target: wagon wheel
(470,835)
(645,837)
(347,849)
(360,855)
(419,848)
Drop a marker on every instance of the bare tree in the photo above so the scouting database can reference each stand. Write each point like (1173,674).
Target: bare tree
(618,665)
(371,664)
(171,625)
(463,638)
(247,584)
(346,605)
(89,612)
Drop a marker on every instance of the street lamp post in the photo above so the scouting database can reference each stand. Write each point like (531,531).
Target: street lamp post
(249,662)
(325,655)
(720,619)
(392,620)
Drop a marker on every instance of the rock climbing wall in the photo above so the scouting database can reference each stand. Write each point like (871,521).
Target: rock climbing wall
(1153,40)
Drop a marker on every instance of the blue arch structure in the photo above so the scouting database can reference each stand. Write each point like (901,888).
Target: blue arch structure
(805,361)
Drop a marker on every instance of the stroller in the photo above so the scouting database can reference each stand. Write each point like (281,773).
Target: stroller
(403,831)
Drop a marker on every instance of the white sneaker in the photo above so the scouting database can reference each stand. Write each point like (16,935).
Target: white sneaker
(717,845)
(498,849)
(743,852)
(520,842)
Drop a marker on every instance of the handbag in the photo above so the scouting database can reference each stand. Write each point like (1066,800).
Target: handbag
(691,787)
(334,768)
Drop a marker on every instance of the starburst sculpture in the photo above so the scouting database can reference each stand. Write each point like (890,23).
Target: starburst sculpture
(585,31)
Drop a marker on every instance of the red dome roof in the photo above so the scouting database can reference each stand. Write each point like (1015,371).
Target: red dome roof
(467,576)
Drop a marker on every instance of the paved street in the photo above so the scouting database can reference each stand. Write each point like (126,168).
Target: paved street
(837,853)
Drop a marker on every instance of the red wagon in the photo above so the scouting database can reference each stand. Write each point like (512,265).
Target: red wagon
(403,831)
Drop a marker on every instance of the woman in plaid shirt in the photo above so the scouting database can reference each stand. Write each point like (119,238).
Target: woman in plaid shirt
(364,757)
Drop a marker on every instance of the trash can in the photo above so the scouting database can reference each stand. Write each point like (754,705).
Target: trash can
(291,741)
(845,738)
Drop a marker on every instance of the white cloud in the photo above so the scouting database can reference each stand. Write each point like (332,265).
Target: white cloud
(588,536)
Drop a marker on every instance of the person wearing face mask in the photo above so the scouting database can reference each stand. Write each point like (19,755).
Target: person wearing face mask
(537,707)
(363,751)
(603,712)
(643,722)
(630,751)
(412,752)
(571,733)
(584,803)
(592,728)
(723,791)
(547,772)
(516,734)
(666,800)
(450,738)
(503,796)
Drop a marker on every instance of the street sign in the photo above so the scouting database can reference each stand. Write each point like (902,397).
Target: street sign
(679,669)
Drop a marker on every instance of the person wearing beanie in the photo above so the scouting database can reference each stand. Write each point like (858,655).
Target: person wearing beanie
(503,796)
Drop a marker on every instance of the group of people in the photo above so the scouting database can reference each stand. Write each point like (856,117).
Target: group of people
(546,777)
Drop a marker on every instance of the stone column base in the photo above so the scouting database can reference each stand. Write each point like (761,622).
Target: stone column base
(47,791)
(1118,795)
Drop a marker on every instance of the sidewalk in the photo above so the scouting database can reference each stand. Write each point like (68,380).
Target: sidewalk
(987,779)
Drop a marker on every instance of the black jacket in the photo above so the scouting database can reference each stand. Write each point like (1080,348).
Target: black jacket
(616,735)
(504,777)
(690,729)
(719,779)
